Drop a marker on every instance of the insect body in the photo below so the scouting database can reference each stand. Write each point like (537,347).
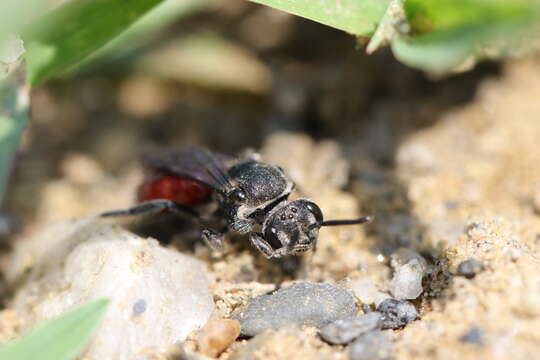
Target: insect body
(247,194)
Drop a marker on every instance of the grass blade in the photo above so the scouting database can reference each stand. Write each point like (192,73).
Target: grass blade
(60,338)
(447,33)
(14,111)
(71,32)
(358,17)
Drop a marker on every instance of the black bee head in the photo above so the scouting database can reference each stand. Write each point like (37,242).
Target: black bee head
(294,226)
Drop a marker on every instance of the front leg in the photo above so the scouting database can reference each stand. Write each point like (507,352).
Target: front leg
(153,207)
(262,245)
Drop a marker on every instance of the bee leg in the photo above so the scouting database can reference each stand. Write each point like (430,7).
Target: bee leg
(262,245)
(152,207)
(213,239)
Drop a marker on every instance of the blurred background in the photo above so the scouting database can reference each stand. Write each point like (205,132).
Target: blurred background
(436,135)
(222,74)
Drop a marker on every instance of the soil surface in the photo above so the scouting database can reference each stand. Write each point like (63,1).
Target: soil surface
(450,168)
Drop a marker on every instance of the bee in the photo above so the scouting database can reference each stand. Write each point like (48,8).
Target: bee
(247,195)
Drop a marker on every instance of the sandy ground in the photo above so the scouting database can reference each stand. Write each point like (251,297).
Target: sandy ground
(450,169)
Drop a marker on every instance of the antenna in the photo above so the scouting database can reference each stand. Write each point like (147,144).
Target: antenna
(361,220)
(358,221)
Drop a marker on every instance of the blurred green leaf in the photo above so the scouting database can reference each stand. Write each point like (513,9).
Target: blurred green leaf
(60,338)
(15,15)
(74,30)
(144,30)
(436,15)
(14,110)
(446,33)
(358,17)
(392,20)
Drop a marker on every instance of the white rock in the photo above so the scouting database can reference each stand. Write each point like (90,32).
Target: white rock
(365,290)
(380,297)
(407,282)
(409,268)
(158,296)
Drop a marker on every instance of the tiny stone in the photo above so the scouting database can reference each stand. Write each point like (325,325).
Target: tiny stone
(409,268)
(374,345)
(515,253)
(470,268)
(314,304)
(380,297)
(365,290)
(217,335)
(403,256)
(139,307)
(396,313)
(407,281)
(473,336)
(346,330)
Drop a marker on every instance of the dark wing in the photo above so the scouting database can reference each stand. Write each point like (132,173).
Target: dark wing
(197,164)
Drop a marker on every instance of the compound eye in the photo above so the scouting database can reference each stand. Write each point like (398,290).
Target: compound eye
(238,195)
(315,210)
(271,236)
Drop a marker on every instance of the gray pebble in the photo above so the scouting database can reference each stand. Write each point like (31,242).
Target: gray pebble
(374,345)
(139,307)
(312,304)
(469,268)
(396,313)
(473,336)
(346,330)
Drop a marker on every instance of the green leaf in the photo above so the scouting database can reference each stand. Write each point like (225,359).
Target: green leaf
(60,338)
(393,18)
(15,15)
(447,33)
(358,17)
(74,30)
(435,15)
(144,31)
(14,110)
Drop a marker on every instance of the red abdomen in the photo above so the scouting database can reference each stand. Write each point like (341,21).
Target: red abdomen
(178,189)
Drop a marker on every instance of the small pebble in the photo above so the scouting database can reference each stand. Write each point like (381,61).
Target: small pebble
(403,256)
(139,307)
(314,304)
(365,290)
(396,313)
(407,282)
(473,336)
(380,297)
(515,253)
(374,345)
(409,269)
(346,330)
(217,335)
(470,268)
